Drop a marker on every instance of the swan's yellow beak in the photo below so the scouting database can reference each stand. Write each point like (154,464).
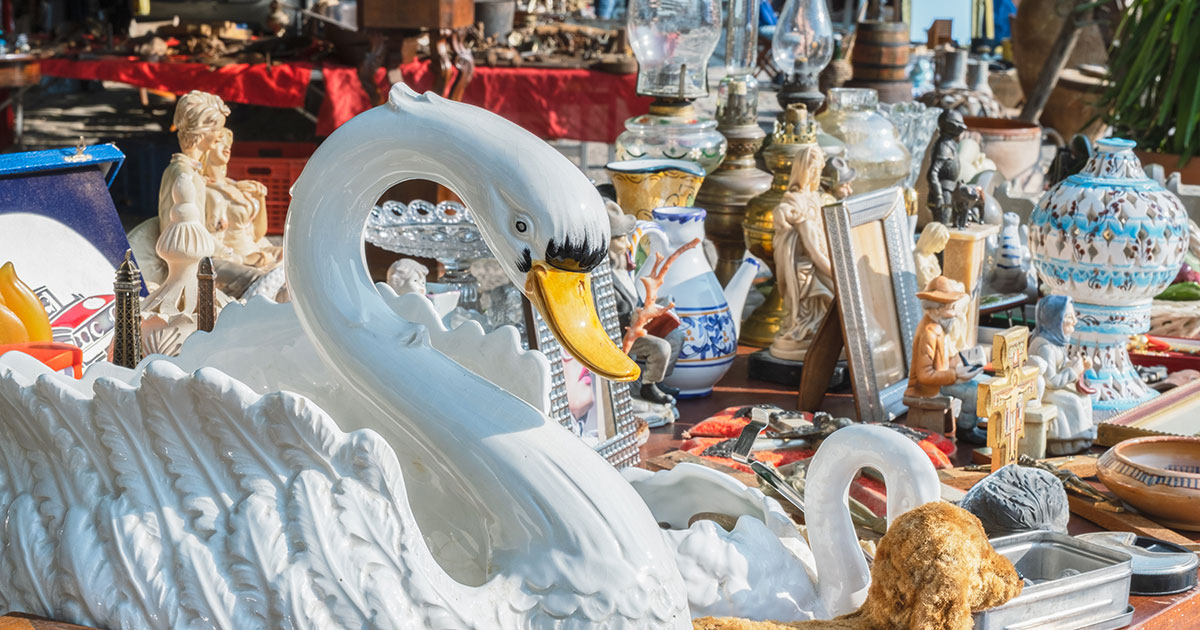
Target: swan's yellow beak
(564,299)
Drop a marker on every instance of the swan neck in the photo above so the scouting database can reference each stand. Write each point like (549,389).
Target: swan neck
(842,573)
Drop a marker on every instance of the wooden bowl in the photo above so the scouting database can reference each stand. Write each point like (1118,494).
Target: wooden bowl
(1159,476)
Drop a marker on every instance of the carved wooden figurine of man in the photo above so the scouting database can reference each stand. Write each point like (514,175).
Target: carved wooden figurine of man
(933,366)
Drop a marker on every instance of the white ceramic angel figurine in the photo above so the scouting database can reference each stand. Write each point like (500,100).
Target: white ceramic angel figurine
(802,263)
(407,276)
(1062,382)
(237,210)
(933,240)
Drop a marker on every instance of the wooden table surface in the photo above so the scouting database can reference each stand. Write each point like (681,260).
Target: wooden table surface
(1175,612)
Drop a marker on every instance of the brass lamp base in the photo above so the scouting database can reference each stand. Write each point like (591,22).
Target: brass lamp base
(760,328)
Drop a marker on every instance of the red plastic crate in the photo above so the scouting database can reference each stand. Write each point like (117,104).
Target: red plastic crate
(276,165)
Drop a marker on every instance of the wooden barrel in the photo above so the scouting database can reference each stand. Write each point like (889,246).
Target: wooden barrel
(881,51)
(889,91)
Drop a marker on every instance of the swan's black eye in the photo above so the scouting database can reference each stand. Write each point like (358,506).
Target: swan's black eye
(522,226)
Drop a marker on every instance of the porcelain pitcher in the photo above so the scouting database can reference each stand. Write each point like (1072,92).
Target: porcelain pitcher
(711,315)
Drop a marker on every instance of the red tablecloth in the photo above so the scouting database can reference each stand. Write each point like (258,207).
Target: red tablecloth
(282,85)
(550,103)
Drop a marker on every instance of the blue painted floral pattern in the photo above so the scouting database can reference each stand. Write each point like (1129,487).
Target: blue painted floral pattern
(708,335)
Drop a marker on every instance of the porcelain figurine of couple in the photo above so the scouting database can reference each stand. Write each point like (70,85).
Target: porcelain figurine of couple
(202,213)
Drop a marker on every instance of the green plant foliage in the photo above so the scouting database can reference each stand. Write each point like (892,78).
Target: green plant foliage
(1154,92)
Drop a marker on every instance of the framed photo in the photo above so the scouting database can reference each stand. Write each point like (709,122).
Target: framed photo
(599,411)
(1173,413)
(871,251)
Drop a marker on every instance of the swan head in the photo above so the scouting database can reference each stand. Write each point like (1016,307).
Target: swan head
(540,215)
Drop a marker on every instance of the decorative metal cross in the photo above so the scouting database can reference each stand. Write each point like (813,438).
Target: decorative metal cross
(1002,398)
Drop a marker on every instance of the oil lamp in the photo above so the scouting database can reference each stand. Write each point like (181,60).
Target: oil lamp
(672,42)
(737,180)
(802,46)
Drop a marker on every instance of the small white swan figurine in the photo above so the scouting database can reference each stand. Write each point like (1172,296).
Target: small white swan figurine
(764,569)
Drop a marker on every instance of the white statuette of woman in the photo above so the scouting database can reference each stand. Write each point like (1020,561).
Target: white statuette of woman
(802,263)
(933,240)
(1059,383)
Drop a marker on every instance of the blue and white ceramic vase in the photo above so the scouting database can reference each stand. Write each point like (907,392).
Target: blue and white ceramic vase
(709,326)
(1112,239)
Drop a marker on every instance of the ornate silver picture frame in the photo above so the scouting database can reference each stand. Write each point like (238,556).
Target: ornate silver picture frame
(613,405)
(874,274)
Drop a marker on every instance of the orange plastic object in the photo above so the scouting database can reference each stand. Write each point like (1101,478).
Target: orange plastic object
(276,165)
(55,355)
(12,329)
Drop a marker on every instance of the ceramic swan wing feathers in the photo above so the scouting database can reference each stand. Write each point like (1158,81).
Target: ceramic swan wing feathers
(190,501)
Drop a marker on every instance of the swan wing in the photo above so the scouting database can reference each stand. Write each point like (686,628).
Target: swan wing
(188,500)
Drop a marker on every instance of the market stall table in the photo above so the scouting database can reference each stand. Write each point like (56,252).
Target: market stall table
(551,103)
(1150,613)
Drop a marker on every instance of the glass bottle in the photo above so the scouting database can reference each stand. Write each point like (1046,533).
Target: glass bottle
(674,133)
(873,147)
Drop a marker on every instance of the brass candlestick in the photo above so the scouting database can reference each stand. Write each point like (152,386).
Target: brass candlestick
(792,132)
(725,191)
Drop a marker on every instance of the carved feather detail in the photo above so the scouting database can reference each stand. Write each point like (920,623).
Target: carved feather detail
(169,506)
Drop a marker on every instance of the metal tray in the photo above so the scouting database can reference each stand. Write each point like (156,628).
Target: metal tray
(1159,567)
(1094,598)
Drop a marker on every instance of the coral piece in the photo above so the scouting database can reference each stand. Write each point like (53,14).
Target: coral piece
(934,568)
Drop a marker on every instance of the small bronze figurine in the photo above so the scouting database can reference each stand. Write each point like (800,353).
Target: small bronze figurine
(943,165)
(967,201)
(127,333)
(1070,159)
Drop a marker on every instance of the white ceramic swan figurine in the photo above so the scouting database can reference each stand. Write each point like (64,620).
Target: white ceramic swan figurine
(764,569)
(155,498)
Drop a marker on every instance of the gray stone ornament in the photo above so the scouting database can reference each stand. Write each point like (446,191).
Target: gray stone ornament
(1017,499)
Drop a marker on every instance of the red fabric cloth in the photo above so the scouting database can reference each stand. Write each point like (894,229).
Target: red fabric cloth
(281,85)
(551,103)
